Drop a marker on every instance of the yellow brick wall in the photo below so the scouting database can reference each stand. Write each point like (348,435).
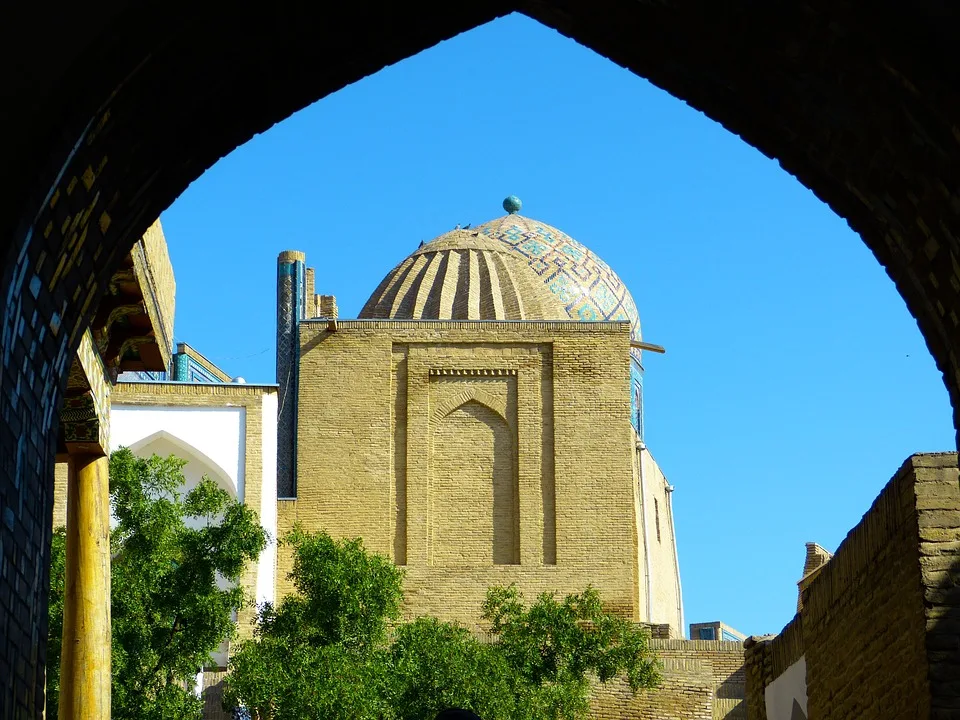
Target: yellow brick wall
(702,680)
(880,624)
(151,261)
(60,495)
(546,402)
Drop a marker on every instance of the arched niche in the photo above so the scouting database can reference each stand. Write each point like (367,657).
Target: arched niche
(164,443)
(474,495)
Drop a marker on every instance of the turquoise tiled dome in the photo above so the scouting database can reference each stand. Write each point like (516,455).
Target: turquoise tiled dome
(512,267)
(583,283)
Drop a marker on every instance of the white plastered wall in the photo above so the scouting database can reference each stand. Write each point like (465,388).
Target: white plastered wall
(660,593)
(211,440)
(267,568)
(214,436)
(786,697)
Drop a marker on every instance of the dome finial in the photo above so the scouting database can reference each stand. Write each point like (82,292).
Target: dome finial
(512,204)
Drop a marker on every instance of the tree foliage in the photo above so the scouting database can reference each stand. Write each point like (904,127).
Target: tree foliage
(334,649)
(171,553)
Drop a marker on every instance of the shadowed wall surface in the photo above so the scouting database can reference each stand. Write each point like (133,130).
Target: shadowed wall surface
(111,110)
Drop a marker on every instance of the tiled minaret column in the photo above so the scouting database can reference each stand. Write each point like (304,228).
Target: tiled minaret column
(291,299)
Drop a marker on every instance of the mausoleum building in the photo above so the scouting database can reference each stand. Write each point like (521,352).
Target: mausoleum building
(481,422)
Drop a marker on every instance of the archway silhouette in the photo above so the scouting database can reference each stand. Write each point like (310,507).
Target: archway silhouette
(111,112)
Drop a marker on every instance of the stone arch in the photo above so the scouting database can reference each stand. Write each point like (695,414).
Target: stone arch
(190,453)
(474,508)
(112,116)
(477,395)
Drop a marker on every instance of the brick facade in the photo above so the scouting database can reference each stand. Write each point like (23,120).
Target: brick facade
(702,680)
(880,623)
(403,426)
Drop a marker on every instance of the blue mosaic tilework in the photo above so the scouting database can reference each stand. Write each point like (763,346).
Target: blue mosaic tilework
(135,376)
(585,284)
(636,396)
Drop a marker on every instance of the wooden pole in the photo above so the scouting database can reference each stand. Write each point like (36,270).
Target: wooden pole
(85,657)
(648,346)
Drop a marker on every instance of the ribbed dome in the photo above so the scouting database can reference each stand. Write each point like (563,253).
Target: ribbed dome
(511,268)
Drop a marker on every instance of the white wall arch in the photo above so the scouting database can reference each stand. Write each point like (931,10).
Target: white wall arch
(214,437)
(160,440)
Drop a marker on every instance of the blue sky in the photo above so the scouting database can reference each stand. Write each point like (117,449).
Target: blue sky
(795,381)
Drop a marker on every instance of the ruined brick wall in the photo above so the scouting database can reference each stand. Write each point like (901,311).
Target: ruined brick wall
(880,624)
(702,680)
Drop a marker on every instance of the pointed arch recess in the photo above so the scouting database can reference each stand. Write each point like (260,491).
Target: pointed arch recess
(191,452)
(477,395)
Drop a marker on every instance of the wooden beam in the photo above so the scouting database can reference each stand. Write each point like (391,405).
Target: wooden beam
(648,346)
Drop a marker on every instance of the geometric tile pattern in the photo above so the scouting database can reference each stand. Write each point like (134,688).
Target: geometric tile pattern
(291,279)
(509,268)
(586,286)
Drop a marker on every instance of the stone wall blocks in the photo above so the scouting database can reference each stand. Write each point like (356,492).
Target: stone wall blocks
(951,548)
(939,563)
(938,519)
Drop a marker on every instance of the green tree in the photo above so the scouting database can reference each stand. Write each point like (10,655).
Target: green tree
(334,649)
(321,652)
(168,612)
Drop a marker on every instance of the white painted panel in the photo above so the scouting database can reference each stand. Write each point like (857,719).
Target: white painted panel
(267,569)
(785,690)
(217,433)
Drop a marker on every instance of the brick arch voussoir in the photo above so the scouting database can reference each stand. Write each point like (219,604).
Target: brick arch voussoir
(477,395)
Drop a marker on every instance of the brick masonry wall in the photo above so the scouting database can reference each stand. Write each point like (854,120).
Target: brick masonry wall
(702,679)
(880,624)
(213,696)
(655,508)
(765,659)
(937,491)
(374,400)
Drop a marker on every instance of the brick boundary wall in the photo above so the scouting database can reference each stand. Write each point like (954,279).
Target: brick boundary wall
(880,625)
(213,695)
(702,680)
(766,658)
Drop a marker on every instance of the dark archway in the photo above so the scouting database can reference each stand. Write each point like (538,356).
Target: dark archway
(110,111)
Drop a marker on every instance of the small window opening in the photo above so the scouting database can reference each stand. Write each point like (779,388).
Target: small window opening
(656,517)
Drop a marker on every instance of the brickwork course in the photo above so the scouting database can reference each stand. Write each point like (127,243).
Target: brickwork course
(109,117)
(880,622)
(702,680)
